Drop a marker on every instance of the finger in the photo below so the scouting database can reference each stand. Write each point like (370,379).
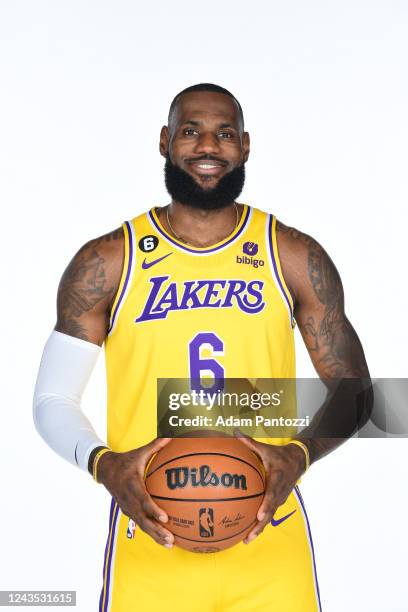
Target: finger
(265,514)
(152,510)
(154,446)
(258,528)
(255,446)
(238,433)
(255,531)
(267,506)
(148,452)
(155,531)
(143,500)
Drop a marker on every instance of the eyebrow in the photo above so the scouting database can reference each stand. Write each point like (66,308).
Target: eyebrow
(197,123)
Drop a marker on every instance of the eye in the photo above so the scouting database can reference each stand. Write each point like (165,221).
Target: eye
(226,134)
(189,131)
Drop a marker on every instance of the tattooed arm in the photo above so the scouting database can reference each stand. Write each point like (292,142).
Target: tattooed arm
(330,338)
(85,298)
(336,353)
(88,288)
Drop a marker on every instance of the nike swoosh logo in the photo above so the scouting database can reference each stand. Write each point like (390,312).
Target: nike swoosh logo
(279,521)
(149,264)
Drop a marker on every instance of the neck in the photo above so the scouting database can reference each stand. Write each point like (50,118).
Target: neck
(198,227)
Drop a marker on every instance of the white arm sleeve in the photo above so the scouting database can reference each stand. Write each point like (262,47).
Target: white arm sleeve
(65,369)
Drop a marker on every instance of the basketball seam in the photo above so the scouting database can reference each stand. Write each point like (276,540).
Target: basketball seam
(224,499)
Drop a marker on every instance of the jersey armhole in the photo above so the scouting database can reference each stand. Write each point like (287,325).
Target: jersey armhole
(127,272)
(277,269)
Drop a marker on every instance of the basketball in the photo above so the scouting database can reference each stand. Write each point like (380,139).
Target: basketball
(210,488)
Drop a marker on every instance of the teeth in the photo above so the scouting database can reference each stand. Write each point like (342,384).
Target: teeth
(206,166)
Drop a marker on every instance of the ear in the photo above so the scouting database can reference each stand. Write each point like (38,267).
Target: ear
(245,146)
(164,141)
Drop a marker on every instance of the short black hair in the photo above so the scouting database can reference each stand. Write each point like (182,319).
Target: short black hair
(206,87)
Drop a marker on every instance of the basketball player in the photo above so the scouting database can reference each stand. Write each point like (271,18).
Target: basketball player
(157,290)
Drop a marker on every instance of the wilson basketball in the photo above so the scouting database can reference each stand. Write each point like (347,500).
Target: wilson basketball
(210,488)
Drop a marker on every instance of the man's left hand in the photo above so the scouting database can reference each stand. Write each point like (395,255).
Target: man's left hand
(283,466)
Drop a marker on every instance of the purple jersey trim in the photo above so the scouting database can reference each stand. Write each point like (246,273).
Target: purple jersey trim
(125,284)
(296,489)
(105,555)
(113,515)
(197,250)
(276,268)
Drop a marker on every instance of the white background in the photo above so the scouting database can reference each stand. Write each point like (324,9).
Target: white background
(85,89)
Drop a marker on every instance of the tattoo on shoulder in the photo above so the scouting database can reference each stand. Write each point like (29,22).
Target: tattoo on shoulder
(117,234)
(84,285)
(293,233)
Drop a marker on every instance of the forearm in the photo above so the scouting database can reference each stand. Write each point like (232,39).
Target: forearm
(65,369)
(345,411)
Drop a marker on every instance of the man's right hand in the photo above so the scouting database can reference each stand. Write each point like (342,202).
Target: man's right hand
(123,476)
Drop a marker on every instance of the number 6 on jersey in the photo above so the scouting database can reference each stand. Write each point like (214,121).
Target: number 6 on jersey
(204,367)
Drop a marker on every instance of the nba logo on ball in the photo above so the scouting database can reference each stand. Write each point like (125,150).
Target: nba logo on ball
(206,522)
(131,529)
(250,248)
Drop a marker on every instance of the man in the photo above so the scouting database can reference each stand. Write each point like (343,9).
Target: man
(171,294)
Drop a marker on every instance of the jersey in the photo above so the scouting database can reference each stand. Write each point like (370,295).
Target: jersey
(179,306)
(181,311)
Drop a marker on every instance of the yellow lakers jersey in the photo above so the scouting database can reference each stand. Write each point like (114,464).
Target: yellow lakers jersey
(181,311)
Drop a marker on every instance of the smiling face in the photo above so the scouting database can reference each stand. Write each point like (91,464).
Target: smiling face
(205,136)
(206,149)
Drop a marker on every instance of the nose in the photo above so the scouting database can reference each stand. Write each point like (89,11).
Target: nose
(207,143)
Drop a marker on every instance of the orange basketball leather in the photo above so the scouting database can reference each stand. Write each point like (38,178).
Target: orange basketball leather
(211,489)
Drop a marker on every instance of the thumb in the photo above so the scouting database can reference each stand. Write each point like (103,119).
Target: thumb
(154,446)
(255,446)
(149,451)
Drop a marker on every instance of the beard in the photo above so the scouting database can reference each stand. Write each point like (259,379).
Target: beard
(184,189)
